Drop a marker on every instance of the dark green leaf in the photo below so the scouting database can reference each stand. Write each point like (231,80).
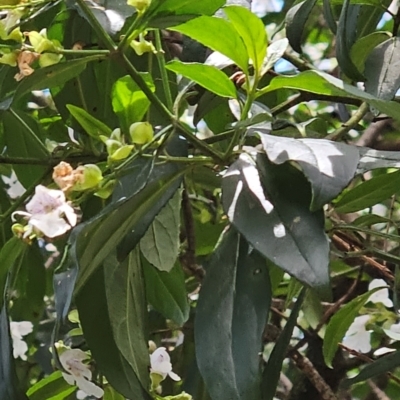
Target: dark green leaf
(260,204)
(127,304)
(344,42)
(368,193)
(328,166)
(252,31)
(90,124)
(22,140)
(49,387)
(129,102)
(160,244)
(296,19)
(230,318)
(205,75)
(9,386)
(340,323)
(52,76)
(132,207)
(384,364)
(381,69)
(94,314)
(328,14)
(272,370)
(111,394)
(166,292)
(228,41)
(9,254)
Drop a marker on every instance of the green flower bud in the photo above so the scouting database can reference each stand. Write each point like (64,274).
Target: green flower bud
(141,132)
(89,177)
(122,153)
(9,59)
(47,59)
(142,46)
(140,5)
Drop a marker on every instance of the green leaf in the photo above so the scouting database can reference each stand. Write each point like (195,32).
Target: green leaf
(260,204)
(381,69)
(328,15)
(207,76)
(252,31)
(9,254)
(167,13)
(272,371)
(90,124)
(94,314)
(22,140)
(166,292)
(93,240)
(340,323)
(230,318)
(322,83)
(296,19)
(129,102)
(52,76)
(9,385)
(228,42)
(160,244)
(387,363)
(344,42)
(111,394)
(127,305)
(49,387)
(364,46)
(368,193)
(328,166)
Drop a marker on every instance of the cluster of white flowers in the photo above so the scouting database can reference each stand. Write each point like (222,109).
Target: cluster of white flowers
(48,213)
(78,373)
(18,330)
(357,337)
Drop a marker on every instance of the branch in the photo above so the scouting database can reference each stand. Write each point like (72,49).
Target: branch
(308,369)
(351,123)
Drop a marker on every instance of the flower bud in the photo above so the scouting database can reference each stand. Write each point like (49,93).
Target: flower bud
(89,177)
(142,46)
(140,5)
(141,132)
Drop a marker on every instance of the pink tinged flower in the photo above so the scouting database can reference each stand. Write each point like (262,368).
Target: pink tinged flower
(160,362)
(357,337)
(49,212)
(79,374)
(381,296)
(18,330)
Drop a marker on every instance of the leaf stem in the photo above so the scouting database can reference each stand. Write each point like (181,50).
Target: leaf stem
(163,70)
(103,36)
(350,124)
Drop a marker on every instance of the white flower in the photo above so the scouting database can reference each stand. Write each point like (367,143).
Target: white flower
(381,296)
(15,189)
(46,211)
(79,374)
(161,364)
(18,330)
(357,337)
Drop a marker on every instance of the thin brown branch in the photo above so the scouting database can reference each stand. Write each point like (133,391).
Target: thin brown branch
(347,247)
(308,369)
(377,391)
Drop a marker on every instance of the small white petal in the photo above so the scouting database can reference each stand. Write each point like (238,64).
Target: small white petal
(383,350)
(360,342)
(89,387)
(51,225)
(69,379)
(381,296)
(174,376)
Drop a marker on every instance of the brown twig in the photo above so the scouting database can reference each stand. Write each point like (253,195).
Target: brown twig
(377,391)
(342,244)
(367,359)
(306,366)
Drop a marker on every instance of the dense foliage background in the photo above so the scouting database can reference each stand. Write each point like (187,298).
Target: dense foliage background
(199,199)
